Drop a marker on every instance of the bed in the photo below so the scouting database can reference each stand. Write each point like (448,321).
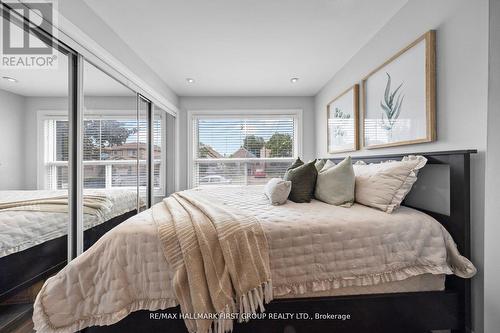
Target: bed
(33,242)
(391,273)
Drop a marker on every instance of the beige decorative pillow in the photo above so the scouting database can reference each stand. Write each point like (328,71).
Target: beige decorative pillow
(335,185)
(277,190)
(319,164)
(385,185)
(328,165)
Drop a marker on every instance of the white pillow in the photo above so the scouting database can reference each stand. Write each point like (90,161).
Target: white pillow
(277,190)
(385,185)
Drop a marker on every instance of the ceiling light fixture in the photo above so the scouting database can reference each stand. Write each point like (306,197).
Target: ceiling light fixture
(190,80)
(10,79)
(294,79)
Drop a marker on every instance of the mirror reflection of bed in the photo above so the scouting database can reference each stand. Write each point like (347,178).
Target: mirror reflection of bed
(34,230)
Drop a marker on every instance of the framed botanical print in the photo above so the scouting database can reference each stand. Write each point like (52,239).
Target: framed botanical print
(342,121)
(399,97)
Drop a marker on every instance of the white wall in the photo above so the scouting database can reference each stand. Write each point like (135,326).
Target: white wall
(462,85)
(12,140)
(33,104)
(243,103)
(492,207)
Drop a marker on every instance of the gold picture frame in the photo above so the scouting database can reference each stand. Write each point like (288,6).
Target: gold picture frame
(342,122)
(378,129)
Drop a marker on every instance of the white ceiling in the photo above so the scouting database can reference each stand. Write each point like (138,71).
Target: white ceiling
(246,48)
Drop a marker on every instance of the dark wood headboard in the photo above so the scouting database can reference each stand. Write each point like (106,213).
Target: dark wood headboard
(458,221)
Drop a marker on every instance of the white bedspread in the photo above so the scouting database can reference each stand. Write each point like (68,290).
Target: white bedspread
(313,247)
(24,229)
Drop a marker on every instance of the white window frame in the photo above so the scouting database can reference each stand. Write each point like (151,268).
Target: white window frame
(44,149)
(163,171)
(240,114)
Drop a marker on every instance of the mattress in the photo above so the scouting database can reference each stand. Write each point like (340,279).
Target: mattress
(315,249)
(24,229)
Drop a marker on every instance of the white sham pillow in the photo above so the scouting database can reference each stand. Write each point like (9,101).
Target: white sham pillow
(277,190)
(385,185)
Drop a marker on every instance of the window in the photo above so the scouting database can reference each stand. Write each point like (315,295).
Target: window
(229,148)
(111,145)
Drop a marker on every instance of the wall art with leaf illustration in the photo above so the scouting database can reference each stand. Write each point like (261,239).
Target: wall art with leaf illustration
(399,97)
(342,121)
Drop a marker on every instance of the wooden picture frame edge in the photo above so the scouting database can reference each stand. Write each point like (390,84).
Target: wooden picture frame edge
(430,91)
(355,89)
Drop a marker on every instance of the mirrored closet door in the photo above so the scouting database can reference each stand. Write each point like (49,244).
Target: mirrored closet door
(80,153)
(110,153)
(35,103)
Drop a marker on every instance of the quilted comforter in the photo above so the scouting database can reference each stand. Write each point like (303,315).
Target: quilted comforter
(312,247)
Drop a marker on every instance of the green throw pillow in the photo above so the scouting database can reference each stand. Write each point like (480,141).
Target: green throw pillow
(298,162)
(303,178)
(335,185)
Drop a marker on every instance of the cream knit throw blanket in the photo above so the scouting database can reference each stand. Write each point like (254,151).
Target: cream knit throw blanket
(219,257)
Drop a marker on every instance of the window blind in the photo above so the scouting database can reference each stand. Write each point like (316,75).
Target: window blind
(158,151)
(242,150)
(112,150)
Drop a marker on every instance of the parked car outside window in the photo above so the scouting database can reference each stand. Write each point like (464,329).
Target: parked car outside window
(214,180)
